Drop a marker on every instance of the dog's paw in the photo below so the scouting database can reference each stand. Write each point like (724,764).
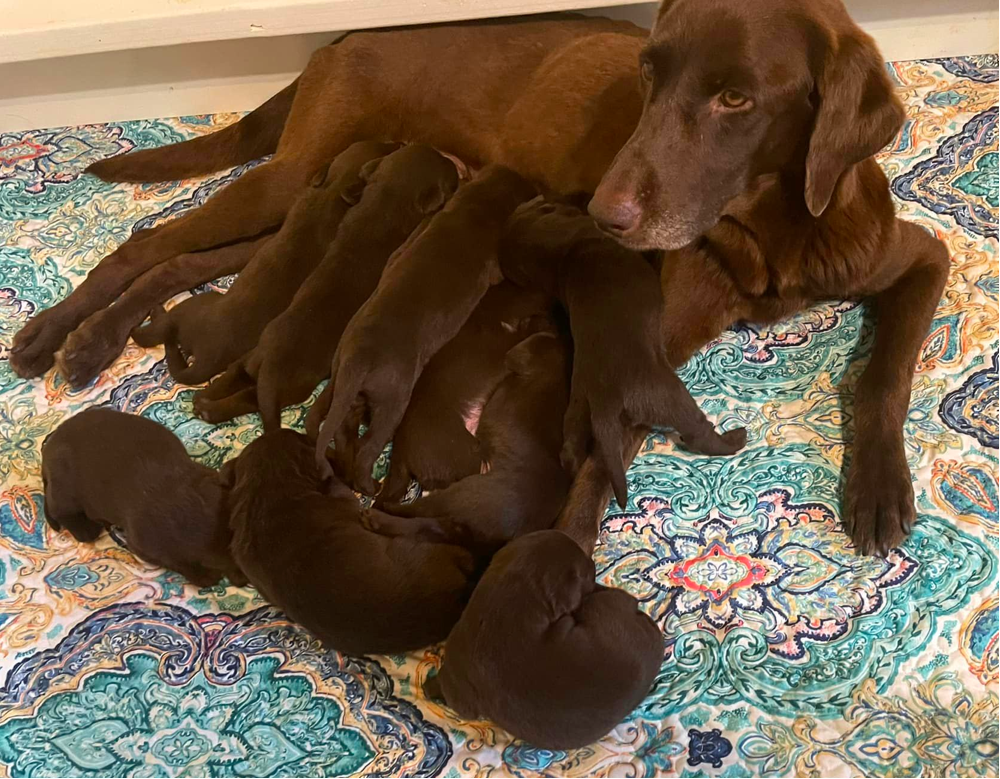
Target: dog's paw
(89,349)
(34,347)
(878,511)
(734,440)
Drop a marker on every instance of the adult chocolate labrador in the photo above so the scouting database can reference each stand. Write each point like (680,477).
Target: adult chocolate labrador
(751,164)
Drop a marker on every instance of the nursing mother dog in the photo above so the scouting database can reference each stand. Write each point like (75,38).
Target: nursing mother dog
(737,137)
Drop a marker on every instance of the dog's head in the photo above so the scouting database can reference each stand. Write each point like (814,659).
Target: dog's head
(734,91)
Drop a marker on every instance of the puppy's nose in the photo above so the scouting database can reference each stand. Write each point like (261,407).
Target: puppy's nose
(616,216)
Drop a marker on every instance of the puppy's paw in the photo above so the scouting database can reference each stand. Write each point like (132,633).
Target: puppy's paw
(89,349)
(879,510)
(33,350)
(734,440)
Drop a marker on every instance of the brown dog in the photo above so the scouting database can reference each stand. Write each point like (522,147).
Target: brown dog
(103,468)
(206,332)
(544,651)
(95,344)
(768,174)
(300,540)
(520,435)
(295,350)
(423,299)
(435,442)
(620,375)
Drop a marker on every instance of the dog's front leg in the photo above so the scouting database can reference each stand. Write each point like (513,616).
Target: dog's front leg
(878,509)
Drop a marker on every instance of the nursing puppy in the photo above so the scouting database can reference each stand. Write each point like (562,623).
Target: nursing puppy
(621,377)
(425,296)
(300,540)
(205,333)
(103,468)
(520,435)
(296,348)
(435,442)
(544,651)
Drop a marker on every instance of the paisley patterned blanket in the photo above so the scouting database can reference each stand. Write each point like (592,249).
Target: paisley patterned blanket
(785,653)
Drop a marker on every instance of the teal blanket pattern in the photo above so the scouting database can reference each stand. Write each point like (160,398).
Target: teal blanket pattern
(784,652)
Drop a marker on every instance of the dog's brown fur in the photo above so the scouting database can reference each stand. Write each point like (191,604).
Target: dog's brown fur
(783,205)
(520,436)
(95,344)
(424,297)
(212,330)
(544,651)
(295,350)
(435,442)
(300,540)
(621,377)
(104,468)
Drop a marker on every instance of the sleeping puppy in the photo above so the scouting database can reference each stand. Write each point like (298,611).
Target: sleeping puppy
(621,377)
(544,651)
(435,442)
(424,297)
(104,468)
(520,435)
(205,333)
(296,348)
(300,540)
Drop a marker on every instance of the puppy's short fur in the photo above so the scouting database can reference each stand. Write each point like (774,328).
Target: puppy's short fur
(295,349)
(544,651)
(103,468)
(425,296)
(621,377)
(300,540)
(212,330)
(520,434)
(435,442)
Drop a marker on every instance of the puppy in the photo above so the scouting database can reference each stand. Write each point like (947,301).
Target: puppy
(103,468)
(295,349)
(435,442)
(300,540)
(205,333)
(544,651)
(520,434)
(621,377)
(425,296)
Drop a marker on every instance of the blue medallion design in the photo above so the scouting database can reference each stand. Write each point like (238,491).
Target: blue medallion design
(972,409)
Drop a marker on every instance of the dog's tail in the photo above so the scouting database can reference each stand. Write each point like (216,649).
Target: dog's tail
(345,390)
(608,435)
(253,136)
(156,332)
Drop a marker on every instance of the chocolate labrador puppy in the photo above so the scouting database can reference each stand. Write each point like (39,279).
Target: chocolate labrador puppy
(435,442)
(95,344)
(206,332)
(298,535)
(621,377)
(102,468)
(296,348)
(423,299)
(520,436)
(544,651)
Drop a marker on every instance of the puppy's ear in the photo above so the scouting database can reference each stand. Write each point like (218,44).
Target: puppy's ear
(227,474)
(432,199)
(353,192)
(858,114)
(522,358)
(369,168)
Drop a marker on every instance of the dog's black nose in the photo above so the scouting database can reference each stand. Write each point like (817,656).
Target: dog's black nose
(616,216)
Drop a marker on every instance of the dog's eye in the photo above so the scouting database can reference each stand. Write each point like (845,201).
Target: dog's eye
(646,70)
(730,98)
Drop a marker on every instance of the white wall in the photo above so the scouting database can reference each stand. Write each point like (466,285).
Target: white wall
(209,67)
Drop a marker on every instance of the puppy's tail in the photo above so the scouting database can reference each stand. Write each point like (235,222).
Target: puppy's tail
(345,390)
(160,327)
(253,136)
(608,446)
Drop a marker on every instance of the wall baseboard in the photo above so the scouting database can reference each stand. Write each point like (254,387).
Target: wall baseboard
(239,74)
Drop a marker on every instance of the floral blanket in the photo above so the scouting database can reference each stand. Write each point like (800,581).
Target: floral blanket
(784,652)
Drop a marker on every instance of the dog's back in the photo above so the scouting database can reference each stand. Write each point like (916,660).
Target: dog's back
(547,653)
(301,543)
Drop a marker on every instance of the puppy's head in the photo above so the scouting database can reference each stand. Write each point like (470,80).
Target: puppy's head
(283,458)
(416,176)
(738,90)
(538,235)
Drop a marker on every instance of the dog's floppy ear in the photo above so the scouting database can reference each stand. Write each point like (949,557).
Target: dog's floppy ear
(432,199)
(353,192)
(857,115)
(520,358)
